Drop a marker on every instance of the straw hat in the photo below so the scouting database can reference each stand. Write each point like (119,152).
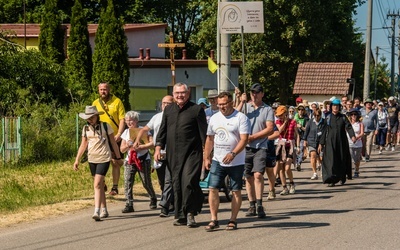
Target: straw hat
(89,112)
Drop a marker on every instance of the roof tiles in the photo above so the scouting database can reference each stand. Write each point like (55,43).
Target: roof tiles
(323,78)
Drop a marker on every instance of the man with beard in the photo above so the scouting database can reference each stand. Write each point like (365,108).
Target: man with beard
(336,162)
(114,114)
(183,133)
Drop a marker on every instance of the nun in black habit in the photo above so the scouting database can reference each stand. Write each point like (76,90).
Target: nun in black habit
(183,132)
(336,162)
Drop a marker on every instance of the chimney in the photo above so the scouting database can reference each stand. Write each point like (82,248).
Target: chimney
(147,54)
(212,54)
(141,53)
(184,54)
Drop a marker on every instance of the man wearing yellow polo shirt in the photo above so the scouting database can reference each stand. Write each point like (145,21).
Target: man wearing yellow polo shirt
(114,114)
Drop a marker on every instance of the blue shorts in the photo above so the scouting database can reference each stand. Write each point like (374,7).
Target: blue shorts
(218,174)
(99,168)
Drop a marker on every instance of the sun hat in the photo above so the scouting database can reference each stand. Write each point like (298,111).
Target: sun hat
(380,104)
(281,110)
(305,103)
(352,111)
(391,98)
(256,87)
(368,100)
(204,101)
(89,112)
(301,106)
(212,93)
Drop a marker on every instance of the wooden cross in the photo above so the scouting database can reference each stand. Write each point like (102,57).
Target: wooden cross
(171,45)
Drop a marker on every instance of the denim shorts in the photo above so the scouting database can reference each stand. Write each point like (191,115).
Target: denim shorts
(218,174)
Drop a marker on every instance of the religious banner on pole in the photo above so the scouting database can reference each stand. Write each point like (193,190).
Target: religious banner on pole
(235,15)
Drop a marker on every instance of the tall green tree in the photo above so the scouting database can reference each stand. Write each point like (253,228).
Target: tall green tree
(79,64)
(110,58)
(52,34)
(295,31)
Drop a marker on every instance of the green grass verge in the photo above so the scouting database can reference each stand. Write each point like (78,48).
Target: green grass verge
(47,183)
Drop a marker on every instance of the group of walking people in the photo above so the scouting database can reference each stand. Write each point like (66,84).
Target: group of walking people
(229,135)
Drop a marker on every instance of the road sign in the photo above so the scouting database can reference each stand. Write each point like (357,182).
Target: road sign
(233,15)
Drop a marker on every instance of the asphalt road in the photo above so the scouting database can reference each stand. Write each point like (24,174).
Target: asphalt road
(362,214)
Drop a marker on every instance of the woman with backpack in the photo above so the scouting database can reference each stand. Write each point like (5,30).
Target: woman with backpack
(97,138)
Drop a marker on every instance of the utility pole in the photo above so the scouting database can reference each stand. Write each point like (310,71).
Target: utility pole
(393,16)
(225,60)
(367,61)
(376,71)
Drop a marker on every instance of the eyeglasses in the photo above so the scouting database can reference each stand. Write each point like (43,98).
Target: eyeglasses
(223,104)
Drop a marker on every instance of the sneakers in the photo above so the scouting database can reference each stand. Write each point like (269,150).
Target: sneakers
(285,191)
(271,194)
(153,204)
(104,214)
(128,209)
(298,167)
(292,189)
(190,220)
(251,212)
(96,217)
(380,151)
(114,191)
(387,147)
(314,176)
(164,212)
(392,148)
(319,167)
(356,174)
(260,212)
(367,158)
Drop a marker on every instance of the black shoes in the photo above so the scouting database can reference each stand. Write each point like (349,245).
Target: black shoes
(180,222)
(260,212)
(251,212)
(128,209)
(153,204)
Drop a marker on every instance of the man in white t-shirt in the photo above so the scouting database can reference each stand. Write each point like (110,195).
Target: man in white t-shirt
(227,134)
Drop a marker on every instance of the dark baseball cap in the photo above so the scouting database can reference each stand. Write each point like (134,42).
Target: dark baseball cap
(256,87)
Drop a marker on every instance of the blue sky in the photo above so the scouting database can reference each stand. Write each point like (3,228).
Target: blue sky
(380,36)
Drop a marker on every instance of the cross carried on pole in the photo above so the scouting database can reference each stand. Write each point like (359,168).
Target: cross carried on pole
(171,45)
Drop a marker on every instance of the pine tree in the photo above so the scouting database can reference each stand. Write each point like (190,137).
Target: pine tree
(52,34)
(110,58)
(79,64)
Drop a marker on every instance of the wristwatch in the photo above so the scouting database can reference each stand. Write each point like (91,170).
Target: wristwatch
(233,154)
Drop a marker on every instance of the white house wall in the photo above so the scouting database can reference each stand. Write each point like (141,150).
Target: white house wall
(161,77)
